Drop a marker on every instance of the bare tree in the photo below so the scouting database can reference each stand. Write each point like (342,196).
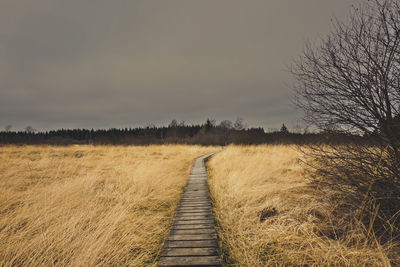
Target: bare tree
(297,128)
(150,125)
(350,82)
(173,123)
(29,129)
(226,124)
(210,123)
(239,124)
(352,79)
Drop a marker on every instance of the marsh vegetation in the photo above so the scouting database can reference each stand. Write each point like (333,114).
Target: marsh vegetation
(271,213)
(87,205)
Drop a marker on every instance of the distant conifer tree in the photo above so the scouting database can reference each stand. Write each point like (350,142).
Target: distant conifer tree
(284,129)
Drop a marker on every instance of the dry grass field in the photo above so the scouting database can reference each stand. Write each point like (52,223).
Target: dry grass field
(89,205)
(268,215)
(112,205)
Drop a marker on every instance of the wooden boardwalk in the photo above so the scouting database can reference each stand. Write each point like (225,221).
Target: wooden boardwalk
(192,240)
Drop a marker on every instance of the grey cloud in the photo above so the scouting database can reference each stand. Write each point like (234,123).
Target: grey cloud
(100,63)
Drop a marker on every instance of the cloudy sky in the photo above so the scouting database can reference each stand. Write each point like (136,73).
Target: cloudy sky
(122,63)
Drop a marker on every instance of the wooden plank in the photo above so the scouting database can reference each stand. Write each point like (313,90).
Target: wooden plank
(195,213)
(192,226)
(192,244)
(190,252)
(182,220)
(193,231)
(193,217)
(192,196)
(197,199)
(195,203)
(192,237)
(195,195)
(190,261)
(205,221)
(200,205)
(197,207)
(204,214)
(194,208)
(196,190)
(186,209)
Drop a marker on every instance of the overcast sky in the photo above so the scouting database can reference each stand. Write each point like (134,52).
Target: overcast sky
(122,63)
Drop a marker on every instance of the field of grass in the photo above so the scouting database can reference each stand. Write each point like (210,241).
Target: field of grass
(112,205)
(268,215)
(89,205)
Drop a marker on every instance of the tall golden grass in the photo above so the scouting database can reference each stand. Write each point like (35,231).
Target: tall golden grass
(269,215)
(89,205)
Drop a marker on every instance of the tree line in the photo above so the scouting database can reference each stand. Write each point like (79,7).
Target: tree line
(209,133)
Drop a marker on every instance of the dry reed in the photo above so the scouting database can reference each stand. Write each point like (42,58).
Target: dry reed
(89,205)
(269,215)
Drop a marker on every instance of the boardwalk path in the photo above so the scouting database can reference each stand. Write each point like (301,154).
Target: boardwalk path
(192,240)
